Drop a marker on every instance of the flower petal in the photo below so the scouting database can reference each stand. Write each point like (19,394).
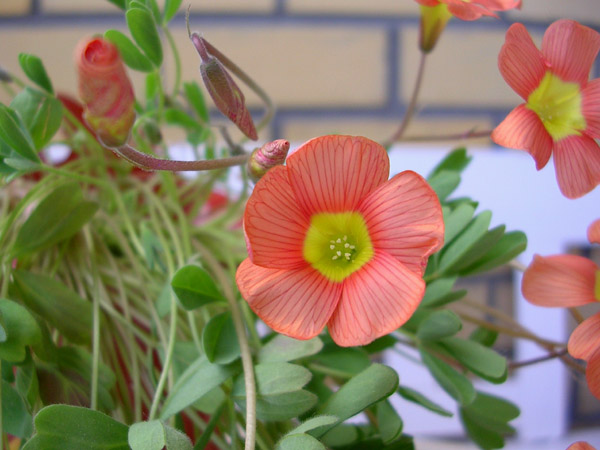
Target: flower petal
(577,164)
(522,129)
(593,232)
(559,280)
(590,107)
(468,11)
(375,301)
(297,303)
(520,62)
(404,218)
(333,173)
(570,49)
(585,339)
(274,224)
(580,445)
(592,374)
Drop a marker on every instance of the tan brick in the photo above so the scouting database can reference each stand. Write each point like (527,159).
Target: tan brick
(587,11)
(362,7)
(66,6)
(461,70)
(377,129)
(14,7)
(302,66)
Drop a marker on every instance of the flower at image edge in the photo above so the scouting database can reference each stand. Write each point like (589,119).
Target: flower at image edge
(332,241)
(568,281)
(580,446)
(473,9)
(561,113)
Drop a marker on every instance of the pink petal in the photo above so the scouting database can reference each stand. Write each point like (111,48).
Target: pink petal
(585,339)
(570,49)
(590,107)
(467,11)
(297,303)
(376,300)
(520,62)
(522,129)
(577,164)
(404,218)
(274,224)
(580,445)
(333,173)
(559,280)
(592,374)
(593,232)
(428,2)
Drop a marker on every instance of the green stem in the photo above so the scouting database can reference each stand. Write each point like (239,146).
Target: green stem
(176,59)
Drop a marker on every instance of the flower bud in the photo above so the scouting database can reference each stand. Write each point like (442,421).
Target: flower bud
(226,94)
(264,158)
(105,90)
(433,22)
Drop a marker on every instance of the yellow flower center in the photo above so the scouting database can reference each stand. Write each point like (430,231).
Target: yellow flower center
(597,286)
(337,244)
(558,104)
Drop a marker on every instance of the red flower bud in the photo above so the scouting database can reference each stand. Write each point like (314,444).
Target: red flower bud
(264,158)
(226,94)
(105,90)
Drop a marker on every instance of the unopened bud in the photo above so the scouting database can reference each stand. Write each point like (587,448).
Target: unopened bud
(226,94)
(105,90)
(266,157)
(593,232)
(433,22)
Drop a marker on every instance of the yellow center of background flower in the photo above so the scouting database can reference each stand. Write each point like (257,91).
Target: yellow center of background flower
(337,244)
(558,104)
(597,286)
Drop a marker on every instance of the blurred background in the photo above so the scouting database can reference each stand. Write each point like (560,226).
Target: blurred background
(349,66)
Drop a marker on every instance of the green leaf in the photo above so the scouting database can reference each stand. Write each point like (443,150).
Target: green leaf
(194,287)
(282,349)
(363,390)
(416,397)
(199,378)
(454,383)
(194,95)
(15,134)
(16,419)
(389,422)
(456,220)
(436,290)
(438,325)
(143,29)
(219,340)
(480,248)
(479,359)
(312,423)
(456,161)
(57,304)
(484,336)
(34,69)
(507,248)
(177,117)
(27,383)
(57,217)
(41,114)
(21,330)
(119,3)
(130,54)
(68,427)
(463,243)
(444,183)
(349,360)
(171,8)
(299,442)
(155,435)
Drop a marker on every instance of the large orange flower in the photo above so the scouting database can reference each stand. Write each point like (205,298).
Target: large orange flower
(473,9)
(332,242)
(561,115)
(568,281)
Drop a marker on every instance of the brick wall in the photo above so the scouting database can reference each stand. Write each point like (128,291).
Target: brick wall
(342,66)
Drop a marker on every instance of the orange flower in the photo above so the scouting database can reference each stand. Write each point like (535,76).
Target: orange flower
(580,445)
(593,232)
(568,281)
(331,242)
(105,90)
(561,115)
(473,9)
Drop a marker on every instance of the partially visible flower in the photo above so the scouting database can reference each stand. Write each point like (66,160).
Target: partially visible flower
(266,157)
(580,445)
(593,232)
(561,113)
(105,90)
(332,241)
(568,281)
(433,22)
(473,9)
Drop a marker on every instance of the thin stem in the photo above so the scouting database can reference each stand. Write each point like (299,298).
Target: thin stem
(95,322)
(176,59)
(576,315)
(410,110)
(471,134)
(518,364)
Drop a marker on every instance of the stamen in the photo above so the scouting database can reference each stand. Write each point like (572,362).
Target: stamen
(332,247)
(352,247)
(339,253)
(347,255)
(339,241)
(334,257)
(346,245)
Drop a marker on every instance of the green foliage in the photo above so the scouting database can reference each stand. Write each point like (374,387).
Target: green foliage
(171,8)
(130,54)
(219,340)
(194,287)
(143,29)
(389,422)
(20,330)
(155,435)
(478,358)
(16,419)
(15,134)
(416,397)
(35,71)
(439,324)
(282,349)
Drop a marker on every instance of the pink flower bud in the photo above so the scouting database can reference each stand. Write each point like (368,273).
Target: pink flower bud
(264,158)
(105,90)
(226,94)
